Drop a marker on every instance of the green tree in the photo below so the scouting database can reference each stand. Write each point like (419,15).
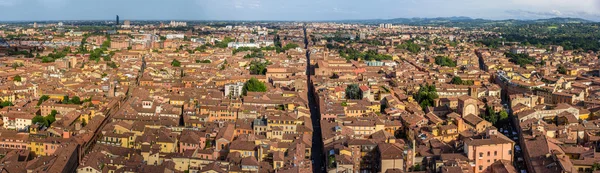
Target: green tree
(253,85)
(112,64)
(43,98)
(426,96)
(258,67)
(17,78)
(75,100)
(490,115)
(290,46)
(561,69)
(5,104)
(175,63)
(51,118)
(65,100)
(39,119)
(503,116)
(596,166)
(410,46)
(456,80)
(353,92)
(444,61)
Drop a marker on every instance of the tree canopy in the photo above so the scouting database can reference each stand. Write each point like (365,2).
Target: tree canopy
(175,63)
(458,81)
(410,46)
(254,85)
(353,92)
(258,67)
(426,96)
(42,99)
(45,121)
(520,59)
(444,61)
(5,104)
(353,54)
(17,78)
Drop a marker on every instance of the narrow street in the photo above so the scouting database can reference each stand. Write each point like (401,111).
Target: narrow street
(317,146)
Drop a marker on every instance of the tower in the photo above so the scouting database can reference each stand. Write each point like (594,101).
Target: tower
(117,24)
(467,105)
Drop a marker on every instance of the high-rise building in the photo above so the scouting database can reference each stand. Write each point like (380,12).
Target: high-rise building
(117,24)
(35,25)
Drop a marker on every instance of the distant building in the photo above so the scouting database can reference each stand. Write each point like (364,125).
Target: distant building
(239,44)
(174,36)
(234,90)
(386,25)
(177,24)
(117,24)
(127,24)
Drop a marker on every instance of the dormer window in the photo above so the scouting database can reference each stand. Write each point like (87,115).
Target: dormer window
(147,104)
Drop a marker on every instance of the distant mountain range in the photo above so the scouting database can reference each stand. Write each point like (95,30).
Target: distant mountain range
(467,21)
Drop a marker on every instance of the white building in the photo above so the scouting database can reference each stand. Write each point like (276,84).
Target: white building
(240,44)
(173,36)
(19,121)
(234,90)
(176,24)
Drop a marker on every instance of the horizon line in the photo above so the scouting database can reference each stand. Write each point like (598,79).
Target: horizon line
(291,20)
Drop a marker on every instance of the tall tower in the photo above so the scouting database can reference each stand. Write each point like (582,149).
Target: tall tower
(117,24)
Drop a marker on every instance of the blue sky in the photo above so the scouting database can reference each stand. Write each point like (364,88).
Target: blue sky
(11,10)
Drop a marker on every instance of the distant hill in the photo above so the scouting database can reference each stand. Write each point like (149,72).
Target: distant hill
(462,21)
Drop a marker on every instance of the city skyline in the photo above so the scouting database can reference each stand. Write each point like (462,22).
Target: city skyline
(312,10)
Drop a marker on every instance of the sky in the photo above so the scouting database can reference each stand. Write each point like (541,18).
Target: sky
(300,10)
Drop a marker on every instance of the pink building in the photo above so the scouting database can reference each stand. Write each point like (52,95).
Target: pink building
(14,140)
(191,140)
(485,151)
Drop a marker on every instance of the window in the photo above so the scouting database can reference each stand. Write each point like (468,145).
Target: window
(495,153)
(480,155)
(488,153)
(509,152)
(480,167)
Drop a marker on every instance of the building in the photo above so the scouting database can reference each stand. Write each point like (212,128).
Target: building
(19,121)
(390,157)
(240,44)
(489,149)
(177,24)
(234,90)
(127,24)
(467,105)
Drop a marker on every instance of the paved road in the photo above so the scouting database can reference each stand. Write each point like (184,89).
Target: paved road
(317,146)
(112,111)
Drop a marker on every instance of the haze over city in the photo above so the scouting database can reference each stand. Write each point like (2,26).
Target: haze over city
(11,10)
